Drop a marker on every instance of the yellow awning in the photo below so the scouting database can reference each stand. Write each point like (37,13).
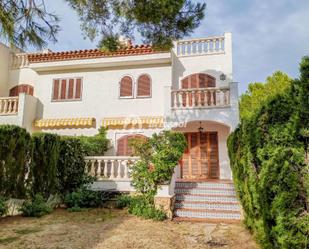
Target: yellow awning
(133,122)
(64,122)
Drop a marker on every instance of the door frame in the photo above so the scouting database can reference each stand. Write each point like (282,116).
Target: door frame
(208,158)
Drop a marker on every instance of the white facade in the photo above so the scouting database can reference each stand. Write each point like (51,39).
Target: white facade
(100,91)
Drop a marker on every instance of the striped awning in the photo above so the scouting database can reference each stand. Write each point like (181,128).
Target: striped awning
(64,122)
(134,122)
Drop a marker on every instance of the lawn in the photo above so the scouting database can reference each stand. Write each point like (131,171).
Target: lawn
(113,229)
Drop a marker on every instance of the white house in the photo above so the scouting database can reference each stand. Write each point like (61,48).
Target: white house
(133,92)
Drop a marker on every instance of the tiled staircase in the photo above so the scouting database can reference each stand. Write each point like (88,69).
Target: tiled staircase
(213,201)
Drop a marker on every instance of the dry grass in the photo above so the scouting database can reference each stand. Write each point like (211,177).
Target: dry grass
(115,229)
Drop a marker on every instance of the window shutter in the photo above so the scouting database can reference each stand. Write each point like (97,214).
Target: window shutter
(56,90)
(78,89)
(194,81)
(63,89)
(213,155)
(126,87)
(143,86)
(185,83)
(123,148)
(71,88)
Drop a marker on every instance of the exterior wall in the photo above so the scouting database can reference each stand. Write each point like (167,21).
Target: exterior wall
(4,69)
(100,96)
(213,64)
(22,76)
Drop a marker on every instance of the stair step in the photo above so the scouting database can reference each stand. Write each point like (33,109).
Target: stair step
(207,206)
(206,198)
(213,185)
(209,191)
(208,214)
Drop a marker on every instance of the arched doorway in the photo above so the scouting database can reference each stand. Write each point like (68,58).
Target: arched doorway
(196,93)
(198,80)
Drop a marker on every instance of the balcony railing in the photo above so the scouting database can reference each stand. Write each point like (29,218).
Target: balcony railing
(8,105)
(200,98)
(19,60)
(202,46)
(109,167)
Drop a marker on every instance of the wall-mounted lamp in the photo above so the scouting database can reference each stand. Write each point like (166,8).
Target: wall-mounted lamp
(222,76)
(200,129)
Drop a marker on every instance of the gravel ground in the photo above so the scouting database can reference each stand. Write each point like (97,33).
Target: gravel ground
(115,229)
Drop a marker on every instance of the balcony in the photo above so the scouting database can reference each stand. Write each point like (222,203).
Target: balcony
(200,98)
(8,106)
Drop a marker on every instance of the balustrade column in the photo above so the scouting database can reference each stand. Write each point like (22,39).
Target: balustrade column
(92,169)
(105,168)
(126,169)
(112,169)
(99,171)
(119,162)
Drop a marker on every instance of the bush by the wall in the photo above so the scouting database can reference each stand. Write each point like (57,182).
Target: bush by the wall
(15,151)
(267,154)
(159,156)
(85,198)
(3,206)
(140,205)
(45,157)
(95,145)
(36,207)
(71,165)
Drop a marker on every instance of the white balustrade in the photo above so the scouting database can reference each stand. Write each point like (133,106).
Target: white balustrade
(200,46)
(19,60)
(8,105)
(109,167)
(200,98)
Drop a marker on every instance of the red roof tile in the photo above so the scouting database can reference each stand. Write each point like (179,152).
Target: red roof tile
(90,54)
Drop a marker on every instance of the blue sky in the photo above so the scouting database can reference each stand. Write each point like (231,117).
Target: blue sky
(268,35)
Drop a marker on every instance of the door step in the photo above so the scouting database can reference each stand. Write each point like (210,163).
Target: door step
(214,201)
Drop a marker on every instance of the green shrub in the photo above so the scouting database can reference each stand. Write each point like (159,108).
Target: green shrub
(267,155)
(3,206)
(85,198)
(95,145)
(45,156)
(123,201)
(36,207)
(76,209)
(71,165)
(159,155)
(140,206)
(15,151)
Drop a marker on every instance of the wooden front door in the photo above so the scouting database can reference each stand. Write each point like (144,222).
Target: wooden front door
(201,158)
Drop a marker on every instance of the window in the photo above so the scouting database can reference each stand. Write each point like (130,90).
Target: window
(67,89)
(198,80)
(126,87)
(123,147)
(16,90)
(144,86)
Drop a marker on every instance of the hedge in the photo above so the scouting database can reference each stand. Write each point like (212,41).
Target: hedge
(267,153)
(43,163)
(15,154)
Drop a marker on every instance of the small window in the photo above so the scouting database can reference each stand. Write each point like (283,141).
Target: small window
(67,89)
(144,86)
(126,87)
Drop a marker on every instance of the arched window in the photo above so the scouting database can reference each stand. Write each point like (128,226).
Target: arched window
(16,90)
(123,148)
(126,87)
(198,80)
(144,86)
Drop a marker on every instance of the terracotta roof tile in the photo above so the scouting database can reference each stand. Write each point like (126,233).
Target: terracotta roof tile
(90,54)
